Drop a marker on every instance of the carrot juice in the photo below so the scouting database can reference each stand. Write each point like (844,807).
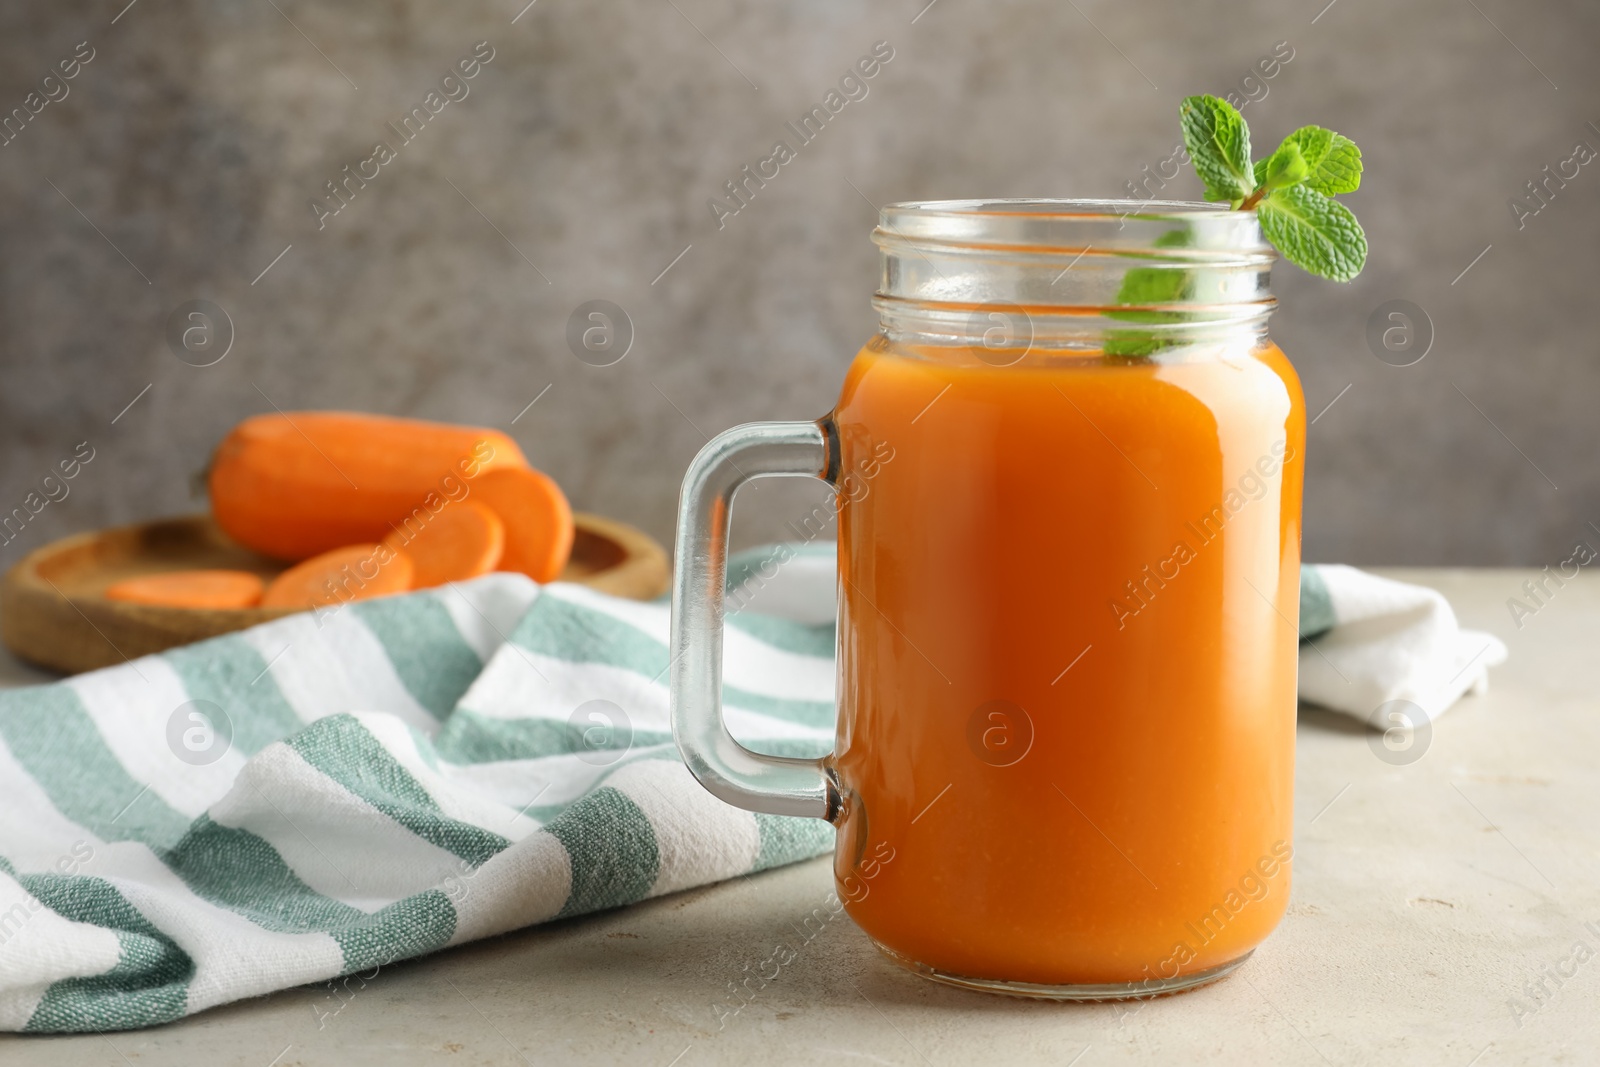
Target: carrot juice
(1068,605)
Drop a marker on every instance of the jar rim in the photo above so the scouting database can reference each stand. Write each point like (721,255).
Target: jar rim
(1064,207)
(1168,229)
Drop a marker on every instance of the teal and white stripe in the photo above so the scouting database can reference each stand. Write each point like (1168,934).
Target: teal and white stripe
(402,776)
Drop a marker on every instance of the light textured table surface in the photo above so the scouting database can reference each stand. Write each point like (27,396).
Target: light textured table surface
(1427,899)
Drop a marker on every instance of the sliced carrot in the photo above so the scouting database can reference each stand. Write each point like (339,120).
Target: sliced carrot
(462,540)
(293,484)
(190,589)
(354,572)
(537,517)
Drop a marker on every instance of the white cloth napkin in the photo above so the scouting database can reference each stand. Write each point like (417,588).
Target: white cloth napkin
(1370,642)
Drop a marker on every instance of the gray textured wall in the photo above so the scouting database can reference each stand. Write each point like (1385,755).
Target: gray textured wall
(195,138)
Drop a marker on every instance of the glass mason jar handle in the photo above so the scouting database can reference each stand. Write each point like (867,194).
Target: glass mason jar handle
(777,785)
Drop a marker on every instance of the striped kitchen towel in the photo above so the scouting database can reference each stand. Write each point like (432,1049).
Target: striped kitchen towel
(326,793)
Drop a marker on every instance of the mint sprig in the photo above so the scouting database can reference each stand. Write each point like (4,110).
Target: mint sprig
(1291,190)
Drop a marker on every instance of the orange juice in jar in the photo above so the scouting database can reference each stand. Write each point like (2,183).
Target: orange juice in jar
(1068,601)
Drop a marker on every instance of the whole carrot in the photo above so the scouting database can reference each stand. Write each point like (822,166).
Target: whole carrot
(293,484)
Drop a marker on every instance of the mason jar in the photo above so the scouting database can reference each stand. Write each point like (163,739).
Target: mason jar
(1068,593)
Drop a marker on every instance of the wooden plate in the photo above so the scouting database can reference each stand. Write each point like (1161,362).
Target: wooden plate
(53,610)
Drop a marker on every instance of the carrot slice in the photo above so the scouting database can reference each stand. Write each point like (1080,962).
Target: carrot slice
(461,541)
(190,589)
(537,517)
(354,572)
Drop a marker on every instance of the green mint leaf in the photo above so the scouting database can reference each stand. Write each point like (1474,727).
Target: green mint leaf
(1218,141)
(1314,232)
(1283,168)
(1333,159)
(1146,286)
